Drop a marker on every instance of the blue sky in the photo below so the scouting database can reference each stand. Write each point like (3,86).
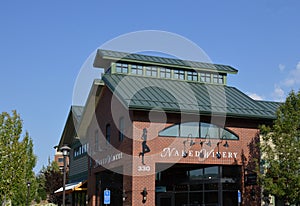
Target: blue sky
(43,45)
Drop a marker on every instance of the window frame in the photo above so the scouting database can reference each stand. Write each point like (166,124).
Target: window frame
(192,76)
(178,74)
(218,79)
(121,68)
(151,71)
(205,77)
(138,70)
(165,73)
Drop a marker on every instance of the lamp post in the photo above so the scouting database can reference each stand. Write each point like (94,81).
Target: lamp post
(65,150)
(28,192)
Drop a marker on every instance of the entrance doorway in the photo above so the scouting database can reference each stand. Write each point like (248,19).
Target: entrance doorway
(198,185)
(165,199)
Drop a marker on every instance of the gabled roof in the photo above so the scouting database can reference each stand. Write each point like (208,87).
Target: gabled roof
(144,93)
(69,131)
(77,112)
(104,57)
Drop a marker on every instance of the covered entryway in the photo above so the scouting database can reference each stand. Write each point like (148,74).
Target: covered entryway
(76,193)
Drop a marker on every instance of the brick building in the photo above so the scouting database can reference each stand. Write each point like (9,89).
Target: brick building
(163,131)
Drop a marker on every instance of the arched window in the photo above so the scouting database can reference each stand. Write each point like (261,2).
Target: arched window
(107,133)
(121,129)
(198,130)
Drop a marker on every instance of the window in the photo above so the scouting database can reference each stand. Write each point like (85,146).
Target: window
(192,76)
(209,131)
(121,129)
(108,134)
(225,134)
(80,150)
(196,174)
(179,74)
(172,131)
(218,79)
(198,130)
(97,146)
(205,77)
(137,69)
(60,159)
(165,73)
(151,71)
(77,151)
(122,68)
(211,171)
(84,148)
(189,129)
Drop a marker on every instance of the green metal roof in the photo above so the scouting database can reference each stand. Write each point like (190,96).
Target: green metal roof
(71,124)
(268,105)
(103,56)
(137,92)
(77,112)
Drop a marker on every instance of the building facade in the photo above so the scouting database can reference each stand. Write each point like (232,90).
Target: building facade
(77,160)
(163,131)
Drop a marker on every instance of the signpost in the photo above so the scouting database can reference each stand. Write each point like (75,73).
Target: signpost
(107,197)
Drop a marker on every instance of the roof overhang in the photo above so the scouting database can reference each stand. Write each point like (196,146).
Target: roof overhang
(73,187)
(104,58)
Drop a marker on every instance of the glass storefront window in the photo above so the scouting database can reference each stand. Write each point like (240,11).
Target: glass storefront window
(196,174)
(205,185)
(211,171)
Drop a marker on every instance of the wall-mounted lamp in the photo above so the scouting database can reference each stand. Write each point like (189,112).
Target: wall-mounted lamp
(226,143)
(124,196)
(201,155)
(209,142)
(184,154)
(144,193)
(188,140)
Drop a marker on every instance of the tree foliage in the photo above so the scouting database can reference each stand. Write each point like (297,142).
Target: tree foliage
(280,152)
(50,179)
(17,160)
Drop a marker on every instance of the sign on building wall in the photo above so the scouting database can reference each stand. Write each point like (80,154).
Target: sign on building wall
(106,197)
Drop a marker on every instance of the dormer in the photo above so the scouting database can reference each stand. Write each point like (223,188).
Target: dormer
(161,67)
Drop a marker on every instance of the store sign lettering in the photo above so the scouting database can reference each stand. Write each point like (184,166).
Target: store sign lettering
(203,153)
(108,159)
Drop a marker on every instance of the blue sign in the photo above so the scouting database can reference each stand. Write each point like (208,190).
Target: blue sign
(107,197)
(239,197)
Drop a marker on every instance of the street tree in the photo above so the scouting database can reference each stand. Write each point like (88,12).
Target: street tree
(17,160)
(280,148)
(50,179)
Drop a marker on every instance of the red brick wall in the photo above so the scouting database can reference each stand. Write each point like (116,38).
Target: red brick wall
(144,175)
(245,150)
